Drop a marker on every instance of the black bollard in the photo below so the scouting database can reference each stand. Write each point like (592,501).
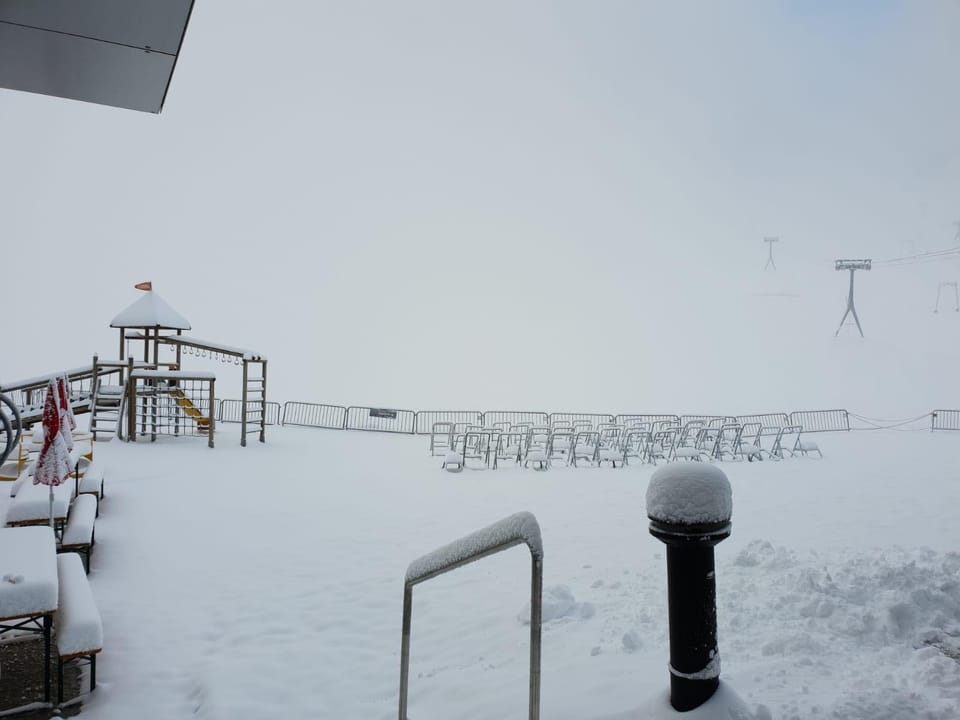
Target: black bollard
(689,506)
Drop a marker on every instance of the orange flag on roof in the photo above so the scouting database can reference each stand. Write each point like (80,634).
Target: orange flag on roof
(144,286)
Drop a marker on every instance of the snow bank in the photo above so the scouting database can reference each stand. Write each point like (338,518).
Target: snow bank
(689,494)
(521,527)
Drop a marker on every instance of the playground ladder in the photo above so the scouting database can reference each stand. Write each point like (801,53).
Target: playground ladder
(253,412)
(105,417)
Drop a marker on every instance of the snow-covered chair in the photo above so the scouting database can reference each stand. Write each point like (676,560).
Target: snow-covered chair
(749,447)
(561,442)
(537,450)
(441,437)
(805,447)
(635,444)
(585,447)
(662,444)
(727,441)
(785,440)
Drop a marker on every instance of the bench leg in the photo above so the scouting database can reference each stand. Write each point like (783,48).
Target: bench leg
(47,627)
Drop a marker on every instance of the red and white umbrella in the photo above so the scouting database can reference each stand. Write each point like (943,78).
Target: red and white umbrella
(53,465)
(67,421)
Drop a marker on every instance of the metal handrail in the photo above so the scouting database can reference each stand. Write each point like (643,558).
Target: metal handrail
(521,528)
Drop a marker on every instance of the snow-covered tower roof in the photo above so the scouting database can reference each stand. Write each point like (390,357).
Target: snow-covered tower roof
(150,311)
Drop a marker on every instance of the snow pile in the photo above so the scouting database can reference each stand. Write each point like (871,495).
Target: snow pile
(689,493)
(558,603)
(897,611)
(521,527)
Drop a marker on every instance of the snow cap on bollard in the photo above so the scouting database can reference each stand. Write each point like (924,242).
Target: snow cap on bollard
(694,495)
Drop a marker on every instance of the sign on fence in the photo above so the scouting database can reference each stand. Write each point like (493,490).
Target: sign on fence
(383,413)
(380,420)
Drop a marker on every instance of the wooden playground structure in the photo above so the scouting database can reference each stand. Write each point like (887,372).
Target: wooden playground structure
(139,396)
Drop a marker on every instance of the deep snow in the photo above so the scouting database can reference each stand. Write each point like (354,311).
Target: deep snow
(267,582)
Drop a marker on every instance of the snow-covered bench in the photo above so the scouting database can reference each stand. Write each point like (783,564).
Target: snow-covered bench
(77,620)
(91,483)
(79,535)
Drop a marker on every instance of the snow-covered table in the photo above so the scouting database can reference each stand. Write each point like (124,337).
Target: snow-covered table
(31,506)
(29,589)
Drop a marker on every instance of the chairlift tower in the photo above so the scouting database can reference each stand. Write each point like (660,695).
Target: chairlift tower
(852,266)
(956,295)
(770,264)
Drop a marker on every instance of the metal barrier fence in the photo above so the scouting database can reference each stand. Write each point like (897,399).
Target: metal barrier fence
(767,420)
(821,420)
(231,411)
(381,420)
(595,419)
(706,419)
(337,417)
(945,420)
(648,418)
(516,417)
(426,418)
(314,415)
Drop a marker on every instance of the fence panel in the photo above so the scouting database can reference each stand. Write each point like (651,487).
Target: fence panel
(684,419)
(645,417)
(595,418)
(515,417)
(381,419)
(945,420)
(426,418)
(315,415)
(203,405)
(821,420)
(767,420)
(231,411)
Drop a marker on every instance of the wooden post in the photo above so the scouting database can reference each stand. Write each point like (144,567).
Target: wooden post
(179,349)
(212,415)
(263,414)
(131,404)
(123,338)
(243,408)
(156,347)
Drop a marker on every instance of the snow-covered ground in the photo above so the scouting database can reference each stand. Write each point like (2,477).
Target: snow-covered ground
(267,582)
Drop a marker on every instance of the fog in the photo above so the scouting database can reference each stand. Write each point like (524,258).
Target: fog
(554,206)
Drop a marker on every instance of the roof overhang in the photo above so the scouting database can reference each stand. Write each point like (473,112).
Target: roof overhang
(111,52)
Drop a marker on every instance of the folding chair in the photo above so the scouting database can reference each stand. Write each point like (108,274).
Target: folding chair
(662,445)
(536,451)
(585,447)
(561,442)
(780,445)
(510,445)
(441,437)
(804,447)
(727,441)
(608,448)
(748,448)
(635,444)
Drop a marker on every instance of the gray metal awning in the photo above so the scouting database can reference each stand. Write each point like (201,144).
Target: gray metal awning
(111,52)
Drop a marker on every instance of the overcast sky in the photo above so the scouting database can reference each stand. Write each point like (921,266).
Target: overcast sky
(437,203)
